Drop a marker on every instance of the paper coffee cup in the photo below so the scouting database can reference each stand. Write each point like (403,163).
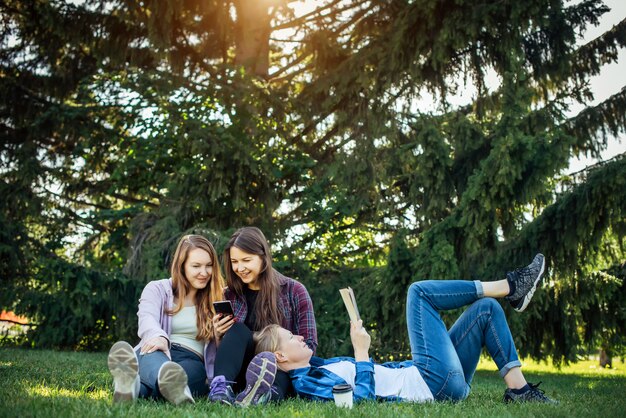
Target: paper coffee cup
(343,395)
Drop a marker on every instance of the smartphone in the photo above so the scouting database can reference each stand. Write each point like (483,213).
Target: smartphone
(224,307)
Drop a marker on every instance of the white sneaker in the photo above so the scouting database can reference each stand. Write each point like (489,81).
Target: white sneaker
(173,383)
(124,367)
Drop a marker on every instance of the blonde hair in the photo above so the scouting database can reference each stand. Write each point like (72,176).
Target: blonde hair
(268,339)
(204,297)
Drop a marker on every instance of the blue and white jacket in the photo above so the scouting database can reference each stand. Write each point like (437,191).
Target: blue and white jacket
(317,383)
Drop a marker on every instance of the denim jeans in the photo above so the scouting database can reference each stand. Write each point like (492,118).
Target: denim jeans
(447,359)
(149,365)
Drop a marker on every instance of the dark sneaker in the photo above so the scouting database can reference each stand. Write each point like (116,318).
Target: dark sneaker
(124,367)
(259,378)
(221,391)
(525,281)
(534,394)
(173,383)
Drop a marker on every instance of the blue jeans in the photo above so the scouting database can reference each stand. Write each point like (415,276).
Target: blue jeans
(447,359)
(149,365)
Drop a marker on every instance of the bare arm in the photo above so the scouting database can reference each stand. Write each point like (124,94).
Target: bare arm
(360,341)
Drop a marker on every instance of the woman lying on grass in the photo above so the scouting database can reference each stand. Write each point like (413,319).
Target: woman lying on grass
(444,361)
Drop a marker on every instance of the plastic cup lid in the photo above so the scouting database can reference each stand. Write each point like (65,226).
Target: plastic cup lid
(342,388)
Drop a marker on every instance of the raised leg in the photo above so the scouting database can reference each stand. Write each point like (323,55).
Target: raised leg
(235,352)
(431,347)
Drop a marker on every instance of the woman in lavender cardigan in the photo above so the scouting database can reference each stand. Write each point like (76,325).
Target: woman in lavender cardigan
(176,354)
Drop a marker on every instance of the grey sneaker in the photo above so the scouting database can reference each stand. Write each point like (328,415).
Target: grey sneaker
(534,394)
(259,378)
(124,367)
(525,282)
(173,383)
(221,391)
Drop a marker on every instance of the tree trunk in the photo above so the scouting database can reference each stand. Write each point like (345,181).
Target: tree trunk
(606,359)
(253,35)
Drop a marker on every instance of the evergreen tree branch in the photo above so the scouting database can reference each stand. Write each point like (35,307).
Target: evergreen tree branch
(608,117)
(589,59)
(572,227)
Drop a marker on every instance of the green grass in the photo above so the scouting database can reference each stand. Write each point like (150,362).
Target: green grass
(37,383)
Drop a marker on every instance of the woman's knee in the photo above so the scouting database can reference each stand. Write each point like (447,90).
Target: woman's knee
(239,331)
(238,339)
(418,289)
(150,363)
(491,305)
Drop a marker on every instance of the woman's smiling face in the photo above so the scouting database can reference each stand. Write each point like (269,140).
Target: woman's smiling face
(198,268)
(246,266)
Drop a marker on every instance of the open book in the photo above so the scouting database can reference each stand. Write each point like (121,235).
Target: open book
(348,299)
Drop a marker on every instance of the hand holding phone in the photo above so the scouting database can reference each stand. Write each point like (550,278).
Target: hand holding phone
(224,318)
(224,307)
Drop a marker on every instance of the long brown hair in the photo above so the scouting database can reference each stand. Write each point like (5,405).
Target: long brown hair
(267,307)
(204,297)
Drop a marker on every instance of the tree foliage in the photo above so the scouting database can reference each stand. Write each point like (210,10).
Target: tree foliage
(126,124)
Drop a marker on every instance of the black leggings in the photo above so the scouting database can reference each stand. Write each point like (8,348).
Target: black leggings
(235,352)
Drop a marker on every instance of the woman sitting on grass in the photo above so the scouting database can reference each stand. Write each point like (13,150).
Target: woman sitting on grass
(260,296)
(444,360)
(176,355)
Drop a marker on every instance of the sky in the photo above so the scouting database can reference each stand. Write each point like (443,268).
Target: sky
(611,80)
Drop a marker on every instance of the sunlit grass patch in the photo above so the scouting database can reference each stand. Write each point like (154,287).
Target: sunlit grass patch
(583,367)
(49,391)
(64,384)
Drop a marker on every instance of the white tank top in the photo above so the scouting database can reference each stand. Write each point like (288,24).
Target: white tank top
(185,329)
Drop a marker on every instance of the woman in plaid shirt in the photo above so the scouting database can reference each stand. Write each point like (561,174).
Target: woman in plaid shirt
(260,296)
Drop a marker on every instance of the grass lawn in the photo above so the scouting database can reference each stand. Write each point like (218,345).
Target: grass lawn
(38,383)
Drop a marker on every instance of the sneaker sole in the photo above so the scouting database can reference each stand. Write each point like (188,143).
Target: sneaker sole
(124,367)
(261,386)
(172,383)
(531,292)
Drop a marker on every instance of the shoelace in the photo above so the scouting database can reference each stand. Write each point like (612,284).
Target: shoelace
(518,277)
(525,273)
(220,386)
(525,276)
(535,392)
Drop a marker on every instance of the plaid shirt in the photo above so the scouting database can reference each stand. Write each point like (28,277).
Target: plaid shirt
(295,304)
(316,383)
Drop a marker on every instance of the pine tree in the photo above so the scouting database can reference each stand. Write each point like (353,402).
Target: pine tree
(127,124)
(476,185)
